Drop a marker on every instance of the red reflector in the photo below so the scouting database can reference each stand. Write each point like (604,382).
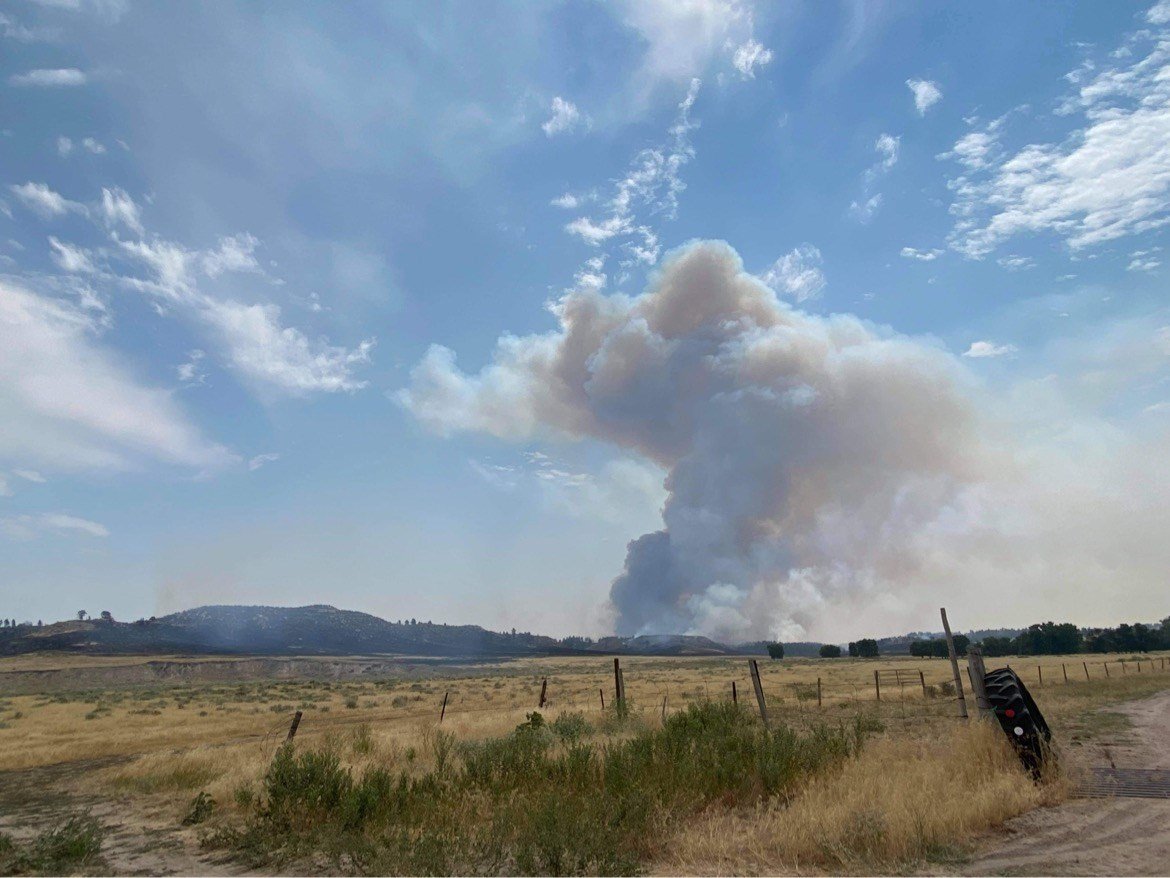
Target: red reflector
(1009,713)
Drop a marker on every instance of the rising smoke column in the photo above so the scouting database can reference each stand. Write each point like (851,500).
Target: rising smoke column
(803,453)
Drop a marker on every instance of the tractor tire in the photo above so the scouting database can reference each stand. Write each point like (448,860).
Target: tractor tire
(1019,717)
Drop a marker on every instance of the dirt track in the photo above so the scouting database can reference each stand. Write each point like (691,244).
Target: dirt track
(1096,836)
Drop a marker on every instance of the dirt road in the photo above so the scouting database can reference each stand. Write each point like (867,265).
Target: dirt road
(1096,836)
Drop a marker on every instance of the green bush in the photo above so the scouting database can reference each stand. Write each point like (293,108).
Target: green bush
(72,846)
(540,800)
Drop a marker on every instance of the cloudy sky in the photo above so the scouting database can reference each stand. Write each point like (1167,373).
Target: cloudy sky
(793,320)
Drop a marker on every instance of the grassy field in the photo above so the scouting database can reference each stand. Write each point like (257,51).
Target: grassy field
(681,782)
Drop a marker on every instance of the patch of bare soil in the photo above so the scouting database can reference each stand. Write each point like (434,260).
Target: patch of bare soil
(1096,836)
(135,843)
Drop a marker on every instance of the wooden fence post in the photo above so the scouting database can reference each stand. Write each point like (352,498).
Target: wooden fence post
(664,708)
(977,671)
(292,730)
(1064,671)
(759,687)
(818,691)
(877,686)
(601,692)
(1123,667)
(1087,677)
(1106,664)
(443,712)
(954,665)
(543,690)
(922,680)
(1040,672)
(734,694)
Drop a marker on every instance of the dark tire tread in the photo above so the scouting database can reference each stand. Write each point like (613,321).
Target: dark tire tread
(1007,692)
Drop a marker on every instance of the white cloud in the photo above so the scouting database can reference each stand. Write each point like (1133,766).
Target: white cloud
(981,349)
(568,201)
(118,208)
(565,117)
(797,274)
(926,94)
(235,253)
(192,373)
(261,459)
(67,403)
(864,211)
(1013,262)
(30,475)
(92,146)
(60,78)
(888,146)
(749,56)
(1159,13)
(27,527)
(43,201)
(64,146)
(268,353)
(14,30)
(1110,178)
(71,259)
(921,255)
(683,37)
(651,188)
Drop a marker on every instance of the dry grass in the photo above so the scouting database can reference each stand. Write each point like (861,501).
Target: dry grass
(921,790)
(906,799)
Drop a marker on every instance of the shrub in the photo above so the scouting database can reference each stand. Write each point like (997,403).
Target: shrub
(200,809)
(71,846)
(536,801)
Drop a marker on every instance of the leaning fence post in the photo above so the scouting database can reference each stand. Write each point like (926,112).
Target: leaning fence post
(759,687)
(1087,677)
(922,680)
(543,690)
(601,692)
(443,711)
(1064,671)
(664,708)
(954,665)
(292,730)
(877,686)
(977,672)
(1106,664)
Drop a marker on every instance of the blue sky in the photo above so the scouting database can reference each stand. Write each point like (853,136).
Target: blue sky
(232,236)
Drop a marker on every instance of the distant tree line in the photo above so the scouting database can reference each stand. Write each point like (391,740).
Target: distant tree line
(1058,638)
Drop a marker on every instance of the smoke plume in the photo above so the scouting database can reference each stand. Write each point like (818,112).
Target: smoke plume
(811,461)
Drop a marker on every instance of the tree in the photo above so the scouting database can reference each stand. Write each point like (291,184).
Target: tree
(40,624)
(867,648)
(107,616)
(81,614)
(830,650)
(776,650)
(998,646)
(852,649)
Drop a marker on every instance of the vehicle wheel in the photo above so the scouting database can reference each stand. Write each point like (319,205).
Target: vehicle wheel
(1019,717)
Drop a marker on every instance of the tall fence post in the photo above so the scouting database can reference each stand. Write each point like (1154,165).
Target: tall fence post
(877,685)
(292,730)
(601,692)
(1087,677)
(759,687)
(922,680)
(734,694)
(977,671)
(954,665)
(443,712)
(543,690)
(818,691)
(1040,672)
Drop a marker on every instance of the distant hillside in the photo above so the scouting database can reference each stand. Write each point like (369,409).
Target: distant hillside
(313,630)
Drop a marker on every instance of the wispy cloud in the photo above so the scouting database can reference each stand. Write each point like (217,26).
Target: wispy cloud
(982,349)
(797,274)
(261,459)
(926,94)
(27,527)
(43,201)
(920,255)
(59,78)
(565,117)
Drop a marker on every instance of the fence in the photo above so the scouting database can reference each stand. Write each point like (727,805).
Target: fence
(910,683)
